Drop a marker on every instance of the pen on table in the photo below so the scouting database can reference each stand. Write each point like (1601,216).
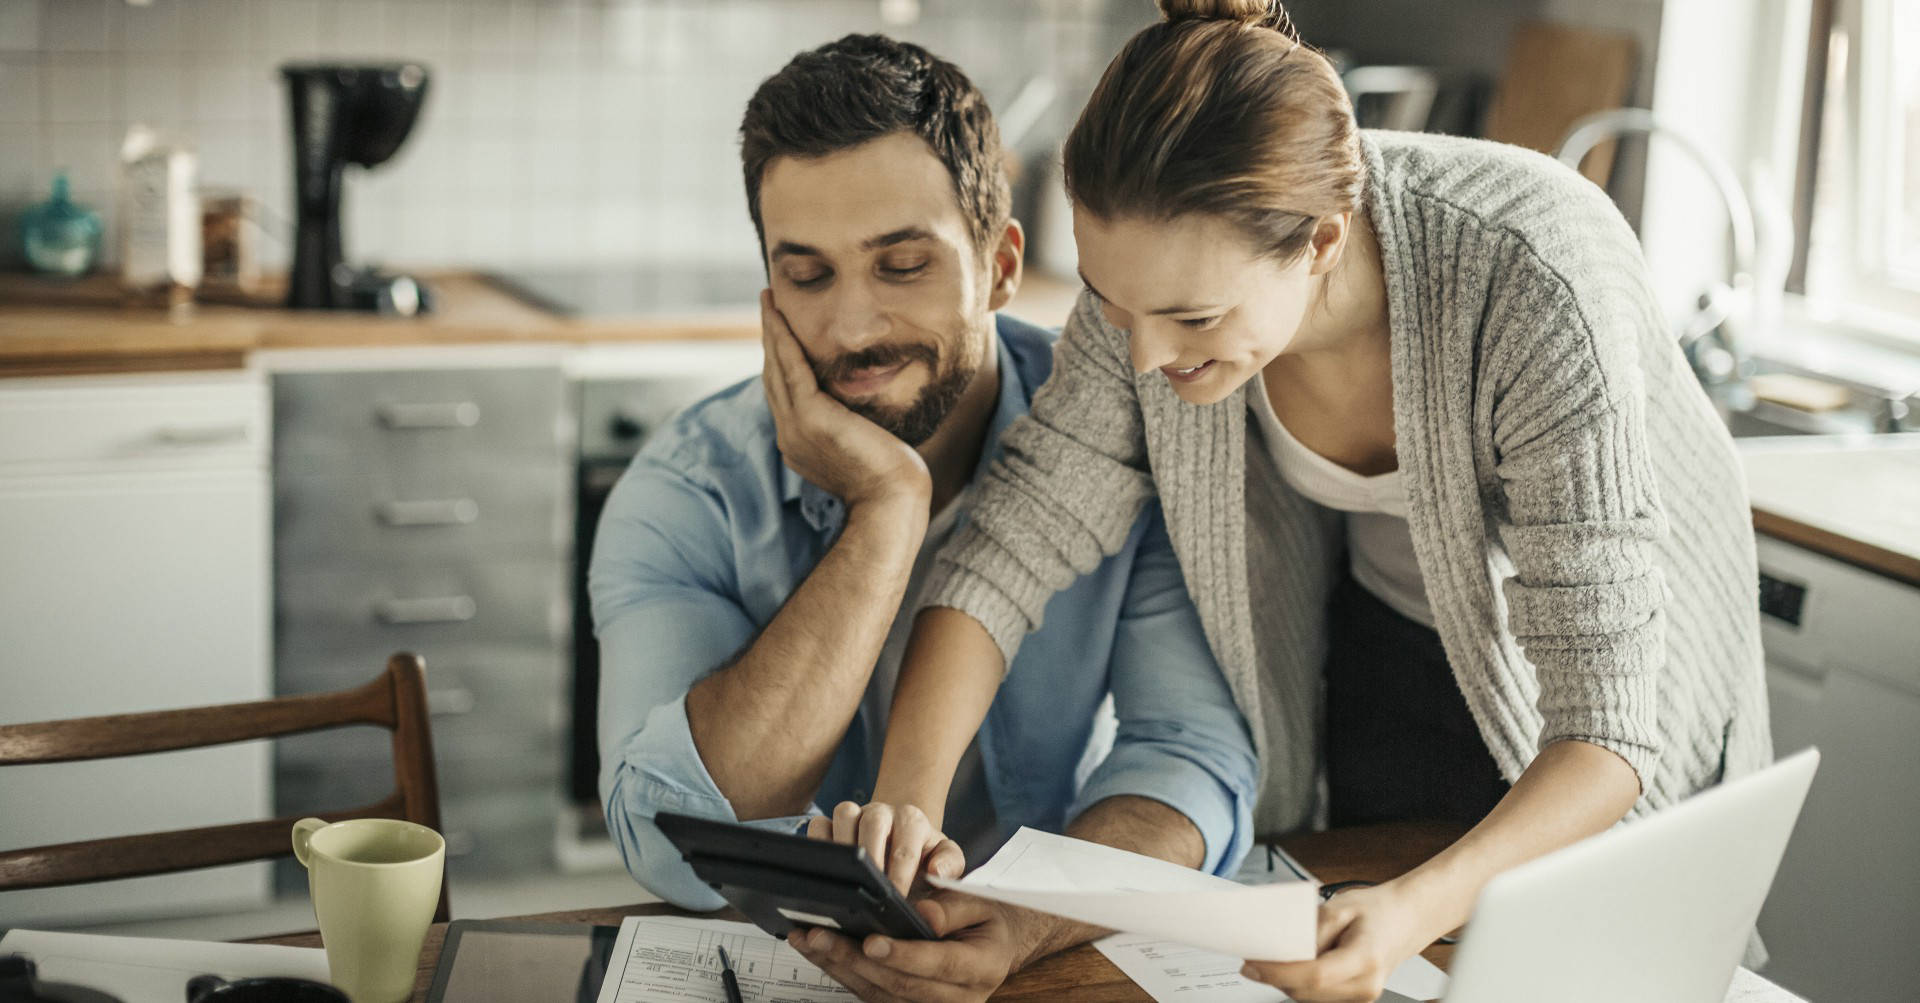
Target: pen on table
(731,984)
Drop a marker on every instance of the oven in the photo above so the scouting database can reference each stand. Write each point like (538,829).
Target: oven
(623,395)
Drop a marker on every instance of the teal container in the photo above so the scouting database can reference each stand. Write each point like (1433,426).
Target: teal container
(60,236)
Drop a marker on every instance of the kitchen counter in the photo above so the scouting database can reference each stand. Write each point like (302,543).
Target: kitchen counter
(55,328)
(48,328)
(1855,499)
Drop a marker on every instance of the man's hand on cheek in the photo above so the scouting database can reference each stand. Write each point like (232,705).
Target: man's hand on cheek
(982,944)
(846,454)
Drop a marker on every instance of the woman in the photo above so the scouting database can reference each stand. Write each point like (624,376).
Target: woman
(1467,539)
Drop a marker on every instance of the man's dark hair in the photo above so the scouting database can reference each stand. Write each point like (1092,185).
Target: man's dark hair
(863,87)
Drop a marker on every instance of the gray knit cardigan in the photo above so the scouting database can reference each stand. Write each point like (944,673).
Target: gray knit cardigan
(1578,511)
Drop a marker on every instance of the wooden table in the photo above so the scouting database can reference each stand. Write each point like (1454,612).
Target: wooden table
(1373,853)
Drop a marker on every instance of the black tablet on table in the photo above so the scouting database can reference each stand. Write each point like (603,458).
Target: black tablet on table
(510,961)
(783,881)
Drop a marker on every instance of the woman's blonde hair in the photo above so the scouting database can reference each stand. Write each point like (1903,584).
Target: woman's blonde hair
(1219,109)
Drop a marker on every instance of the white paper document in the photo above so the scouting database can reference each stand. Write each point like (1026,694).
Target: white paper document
(1133,893)
(150,970)
(1172,972)
(671,958)
(1191,959)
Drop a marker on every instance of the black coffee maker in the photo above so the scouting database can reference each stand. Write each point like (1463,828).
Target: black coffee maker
(345,114)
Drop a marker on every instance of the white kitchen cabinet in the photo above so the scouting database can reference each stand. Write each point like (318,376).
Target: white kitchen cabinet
(1843,673)
(134,575)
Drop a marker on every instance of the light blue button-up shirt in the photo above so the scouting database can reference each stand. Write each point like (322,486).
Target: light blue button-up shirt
(708,533)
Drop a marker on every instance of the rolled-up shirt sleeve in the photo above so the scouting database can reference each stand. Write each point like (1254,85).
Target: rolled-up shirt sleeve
(1181,739)
(665,616)
(657,770)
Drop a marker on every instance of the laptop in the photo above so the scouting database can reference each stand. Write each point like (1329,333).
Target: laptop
(1656,911)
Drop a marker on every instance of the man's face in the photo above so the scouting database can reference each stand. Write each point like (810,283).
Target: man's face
(870,260)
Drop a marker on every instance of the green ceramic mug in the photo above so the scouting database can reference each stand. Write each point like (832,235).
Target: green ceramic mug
(375,882)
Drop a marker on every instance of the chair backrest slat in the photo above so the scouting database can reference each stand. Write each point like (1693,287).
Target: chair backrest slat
(164,852)
(395,700)
(194,727)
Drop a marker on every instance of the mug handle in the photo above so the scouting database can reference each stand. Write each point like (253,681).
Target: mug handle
(201,985)
(303,831)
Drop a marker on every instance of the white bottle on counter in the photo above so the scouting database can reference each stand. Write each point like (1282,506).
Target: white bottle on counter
(160,219)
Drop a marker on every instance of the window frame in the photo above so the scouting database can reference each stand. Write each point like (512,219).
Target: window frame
(1857,279)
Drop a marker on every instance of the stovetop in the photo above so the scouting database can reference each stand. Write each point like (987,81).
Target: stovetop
(636,290)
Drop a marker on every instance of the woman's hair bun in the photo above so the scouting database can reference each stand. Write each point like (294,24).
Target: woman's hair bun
(1257,12)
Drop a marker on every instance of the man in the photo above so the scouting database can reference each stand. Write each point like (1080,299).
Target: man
(755,571)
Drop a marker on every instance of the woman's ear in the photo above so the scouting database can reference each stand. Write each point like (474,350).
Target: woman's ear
(1330,242)
(1007,260)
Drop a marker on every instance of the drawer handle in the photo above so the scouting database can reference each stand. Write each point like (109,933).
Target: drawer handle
(203,435)
(450,703)
(403,417)
(430,512)
(435,609)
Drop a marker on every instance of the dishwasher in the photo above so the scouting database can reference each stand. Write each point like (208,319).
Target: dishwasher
(1843,672)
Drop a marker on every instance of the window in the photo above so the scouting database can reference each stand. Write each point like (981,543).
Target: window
(1903,133)
(1862,240)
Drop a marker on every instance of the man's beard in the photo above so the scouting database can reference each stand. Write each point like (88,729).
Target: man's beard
(912,423)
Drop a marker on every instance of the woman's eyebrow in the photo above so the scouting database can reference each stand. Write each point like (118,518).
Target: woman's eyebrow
(1153,313)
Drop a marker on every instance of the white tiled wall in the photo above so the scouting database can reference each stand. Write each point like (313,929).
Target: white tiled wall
(555,131)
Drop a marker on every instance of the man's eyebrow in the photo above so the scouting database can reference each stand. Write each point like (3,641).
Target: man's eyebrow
(1155,313)
(899,236)
(788,248)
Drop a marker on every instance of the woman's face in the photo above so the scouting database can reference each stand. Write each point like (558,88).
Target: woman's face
(1200,305)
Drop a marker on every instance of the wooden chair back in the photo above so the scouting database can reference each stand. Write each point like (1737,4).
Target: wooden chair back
(395,700)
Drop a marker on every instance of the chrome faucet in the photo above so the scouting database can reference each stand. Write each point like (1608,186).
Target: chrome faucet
(1716,349)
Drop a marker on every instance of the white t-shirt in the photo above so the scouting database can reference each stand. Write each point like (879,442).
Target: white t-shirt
(970,819)
(1379,542)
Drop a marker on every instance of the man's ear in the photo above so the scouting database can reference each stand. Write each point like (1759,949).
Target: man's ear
(1008,259)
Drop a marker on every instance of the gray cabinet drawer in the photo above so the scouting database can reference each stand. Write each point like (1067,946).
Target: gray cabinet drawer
(384,517)
(409,418)
(489,831)
(472,697)
(344,768)
(307,668)
(357,770)
(327,616)
(499,832)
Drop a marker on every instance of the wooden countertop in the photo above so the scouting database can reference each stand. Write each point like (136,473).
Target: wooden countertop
(1855,499)
(55,328)
(49,328)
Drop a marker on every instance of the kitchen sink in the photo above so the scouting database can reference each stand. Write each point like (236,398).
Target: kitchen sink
(1762,419)
(1867,409)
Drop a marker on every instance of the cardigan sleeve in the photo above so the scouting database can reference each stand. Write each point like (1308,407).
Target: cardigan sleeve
(1582,518)
(1063,495)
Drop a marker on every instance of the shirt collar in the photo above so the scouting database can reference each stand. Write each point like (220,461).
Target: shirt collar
(824,512)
